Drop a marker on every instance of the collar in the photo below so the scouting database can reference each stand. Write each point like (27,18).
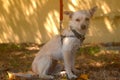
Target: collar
(79,36)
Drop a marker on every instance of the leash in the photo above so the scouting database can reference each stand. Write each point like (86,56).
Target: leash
(61,15)
(79,36)
(61,19)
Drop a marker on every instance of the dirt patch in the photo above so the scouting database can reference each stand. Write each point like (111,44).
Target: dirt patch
(98,62)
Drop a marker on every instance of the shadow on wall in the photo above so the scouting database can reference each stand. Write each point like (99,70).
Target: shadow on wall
(28,20)
(38,20)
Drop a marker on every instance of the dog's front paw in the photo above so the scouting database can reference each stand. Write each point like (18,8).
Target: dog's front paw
(72,76)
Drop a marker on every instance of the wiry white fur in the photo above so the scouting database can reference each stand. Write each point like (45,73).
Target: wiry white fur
(57,50)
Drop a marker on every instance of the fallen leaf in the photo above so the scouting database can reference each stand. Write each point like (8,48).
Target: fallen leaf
(11,76)
(83,77)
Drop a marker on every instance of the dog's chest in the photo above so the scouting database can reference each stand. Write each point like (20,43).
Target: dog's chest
(75,46)
(71,44)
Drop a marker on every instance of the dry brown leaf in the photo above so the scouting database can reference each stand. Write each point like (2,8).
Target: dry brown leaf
(11,76)
(83,77)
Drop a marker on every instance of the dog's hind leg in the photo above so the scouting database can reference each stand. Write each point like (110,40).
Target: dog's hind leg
(43,65)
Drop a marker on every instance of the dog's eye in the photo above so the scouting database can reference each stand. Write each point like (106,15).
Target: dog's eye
(87,19)
(78,20)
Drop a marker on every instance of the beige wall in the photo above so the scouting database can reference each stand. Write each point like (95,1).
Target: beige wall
(38,20)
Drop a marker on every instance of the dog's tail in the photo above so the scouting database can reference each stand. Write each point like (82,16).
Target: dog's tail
(12,75)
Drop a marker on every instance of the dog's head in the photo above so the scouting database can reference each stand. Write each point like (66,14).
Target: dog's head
(79,20)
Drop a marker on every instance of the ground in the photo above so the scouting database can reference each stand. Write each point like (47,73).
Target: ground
(95,61)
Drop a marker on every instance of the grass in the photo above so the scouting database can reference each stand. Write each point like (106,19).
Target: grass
(95,61)
(89,49)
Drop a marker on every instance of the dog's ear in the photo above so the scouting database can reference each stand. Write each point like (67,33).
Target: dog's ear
(69,13)
(92,11)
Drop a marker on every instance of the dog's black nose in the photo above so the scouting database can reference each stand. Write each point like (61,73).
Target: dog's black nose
(83,27)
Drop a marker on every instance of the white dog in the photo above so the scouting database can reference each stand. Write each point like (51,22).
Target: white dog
(63,47)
